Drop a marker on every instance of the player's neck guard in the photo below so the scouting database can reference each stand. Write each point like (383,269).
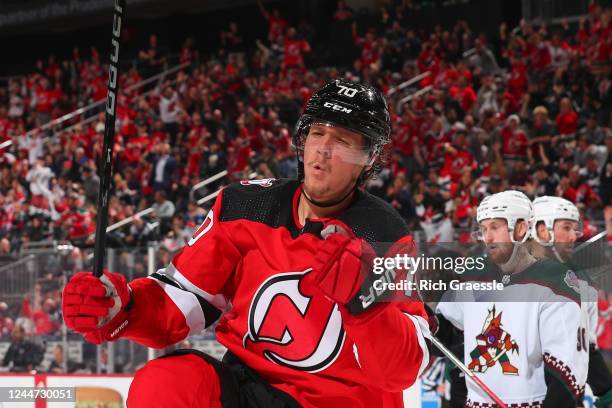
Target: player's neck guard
(519,260)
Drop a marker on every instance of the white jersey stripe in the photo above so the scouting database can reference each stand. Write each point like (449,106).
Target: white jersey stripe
(422,330)
(188,305)
(218,301)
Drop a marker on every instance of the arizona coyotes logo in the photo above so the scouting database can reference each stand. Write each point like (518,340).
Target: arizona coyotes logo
(493,344)
(293,329)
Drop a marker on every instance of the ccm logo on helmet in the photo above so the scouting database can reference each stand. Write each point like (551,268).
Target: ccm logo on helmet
(335,107)
(345,90)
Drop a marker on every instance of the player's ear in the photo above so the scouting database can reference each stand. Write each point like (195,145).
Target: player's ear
(520,229)
(542,232)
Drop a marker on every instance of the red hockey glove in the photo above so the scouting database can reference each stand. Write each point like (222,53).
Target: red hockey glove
(96,307)
(337,269)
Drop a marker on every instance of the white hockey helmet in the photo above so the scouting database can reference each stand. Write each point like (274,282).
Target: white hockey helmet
(510,205)
(548,209)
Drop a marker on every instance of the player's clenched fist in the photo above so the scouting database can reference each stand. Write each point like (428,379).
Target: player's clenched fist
(96,307)
(337,270)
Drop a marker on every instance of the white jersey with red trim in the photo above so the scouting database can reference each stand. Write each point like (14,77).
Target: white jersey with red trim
(513,338)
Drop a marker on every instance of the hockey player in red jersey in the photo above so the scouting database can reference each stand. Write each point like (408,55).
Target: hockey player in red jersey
(280,265)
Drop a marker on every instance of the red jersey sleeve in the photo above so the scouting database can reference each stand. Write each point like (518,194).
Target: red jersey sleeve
(187,296)
(391,362)
(390,338)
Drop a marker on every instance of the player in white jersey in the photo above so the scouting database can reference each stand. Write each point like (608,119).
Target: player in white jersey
(520,341)
(556,228)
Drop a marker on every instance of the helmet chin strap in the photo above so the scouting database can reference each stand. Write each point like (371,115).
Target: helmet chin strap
(550,244)
(520,257)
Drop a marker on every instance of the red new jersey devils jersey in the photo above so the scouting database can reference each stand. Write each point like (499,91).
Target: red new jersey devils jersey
(248,259)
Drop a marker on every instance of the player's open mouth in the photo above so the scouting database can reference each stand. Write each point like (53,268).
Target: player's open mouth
(318,167)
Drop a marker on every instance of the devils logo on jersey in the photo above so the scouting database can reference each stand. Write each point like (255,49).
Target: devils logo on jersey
(293,329)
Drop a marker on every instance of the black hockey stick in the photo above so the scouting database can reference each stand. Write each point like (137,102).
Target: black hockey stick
(109,139)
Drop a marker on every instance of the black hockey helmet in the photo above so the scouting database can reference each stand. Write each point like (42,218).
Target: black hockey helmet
(358,108)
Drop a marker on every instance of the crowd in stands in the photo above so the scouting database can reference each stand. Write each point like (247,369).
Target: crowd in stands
(527,108)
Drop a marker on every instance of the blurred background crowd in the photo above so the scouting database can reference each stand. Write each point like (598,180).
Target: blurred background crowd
(525,106)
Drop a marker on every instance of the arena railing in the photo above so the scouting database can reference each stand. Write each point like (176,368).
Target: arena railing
(407,83)
(92,106)
(40,275)
(201,184)
(416,94)
(16,277)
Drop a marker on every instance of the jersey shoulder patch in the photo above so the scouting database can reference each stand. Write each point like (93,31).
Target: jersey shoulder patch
(374,220)
(264,201)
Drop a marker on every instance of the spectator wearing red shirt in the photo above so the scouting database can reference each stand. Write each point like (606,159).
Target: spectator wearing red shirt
(44,100)
(464,94)
(6,323)
(188,55)
(428,60)
(76,221)
(457,159)
(404,134)
(538,53)
(44,322)
(294,50)
(370,49)
(559,51)
(434,141)
(517,84)
(574,189)
(276,23)
(240,152)
(604,325)
(514,145)
(5,125)
(567,119)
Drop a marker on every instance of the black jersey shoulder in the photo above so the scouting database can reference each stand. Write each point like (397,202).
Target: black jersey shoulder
(266,201)
(271,202)
(373,219)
